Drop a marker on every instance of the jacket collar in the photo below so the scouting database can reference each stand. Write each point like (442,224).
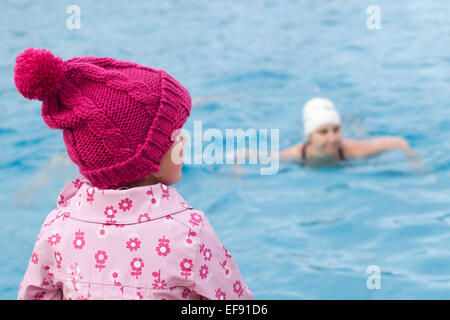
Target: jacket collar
(82,201)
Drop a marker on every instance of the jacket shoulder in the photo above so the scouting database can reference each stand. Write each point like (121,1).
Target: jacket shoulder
(191,218)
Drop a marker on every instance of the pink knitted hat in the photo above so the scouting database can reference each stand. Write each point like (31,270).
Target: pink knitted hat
(117,117)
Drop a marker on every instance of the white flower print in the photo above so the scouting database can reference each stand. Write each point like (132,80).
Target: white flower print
(102,232)
(115,276)
(154,202)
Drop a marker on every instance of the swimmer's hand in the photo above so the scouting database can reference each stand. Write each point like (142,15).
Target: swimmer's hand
(238,168)
(414,158)
(240,157)
(231,158)
(249,156)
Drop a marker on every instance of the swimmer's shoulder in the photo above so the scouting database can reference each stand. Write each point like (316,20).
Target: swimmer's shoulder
(293,153)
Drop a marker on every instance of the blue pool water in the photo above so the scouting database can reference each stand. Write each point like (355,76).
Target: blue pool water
(303,233)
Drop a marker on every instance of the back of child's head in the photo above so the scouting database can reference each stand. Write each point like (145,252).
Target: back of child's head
(117,117)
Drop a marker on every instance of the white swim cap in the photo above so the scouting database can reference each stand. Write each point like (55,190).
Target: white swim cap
(317,112)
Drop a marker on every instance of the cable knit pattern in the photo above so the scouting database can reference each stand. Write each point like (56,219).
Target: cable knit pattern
(117,116)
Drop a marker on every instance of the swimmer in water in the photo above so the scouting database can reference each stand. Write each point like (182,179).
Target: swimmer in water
(325,144)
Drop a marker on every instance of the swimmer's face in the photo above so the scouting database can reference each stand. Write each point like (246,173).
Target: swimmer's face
(172,162)
(327,138)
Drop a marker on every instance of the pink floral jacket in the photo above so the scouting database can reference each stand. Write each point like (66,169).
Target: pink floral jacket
(139,243)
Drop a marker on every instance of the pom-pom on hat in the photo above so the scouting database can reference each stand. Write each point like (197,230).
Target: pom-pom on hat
(38,73)
(117,117)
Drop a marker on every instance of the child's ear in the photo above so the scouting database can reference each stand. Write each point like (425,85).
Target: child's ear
(176,153)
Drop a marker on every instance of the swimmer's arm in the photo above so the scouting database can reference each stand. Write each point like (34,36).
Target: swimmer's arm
(359,149)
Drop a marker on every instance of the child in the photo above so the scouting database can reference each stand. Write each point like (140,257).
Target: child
(119,231)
